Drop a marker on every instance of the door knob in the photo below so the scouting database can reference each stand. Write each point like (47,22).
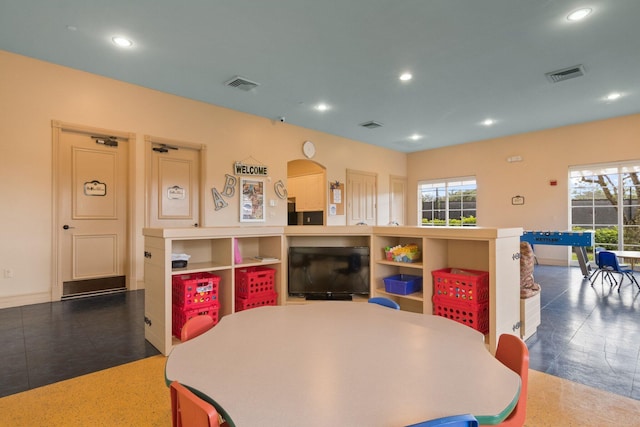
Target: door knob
(66,227)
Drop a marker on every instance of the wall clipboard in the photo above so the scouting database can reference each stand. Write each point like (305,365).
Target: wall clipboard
(336,198)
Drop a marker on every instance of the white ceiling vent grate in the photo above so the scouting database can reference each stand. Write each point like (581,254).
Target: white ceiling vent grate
(241,83)
(371,124)
(565,74)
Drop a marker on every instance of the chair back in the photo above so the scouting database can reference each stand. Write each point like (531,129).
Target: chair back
(514,354)
(188,410)
(608,260)
(465,420)
(196,326)
(596,254)
(386,302)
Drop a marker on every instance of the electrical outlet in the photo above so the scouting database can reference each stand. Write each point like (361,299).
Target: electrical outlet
(8,273)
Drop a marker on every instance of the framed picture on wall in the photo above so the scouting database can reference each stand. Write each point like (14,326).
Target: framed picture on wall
(251,200)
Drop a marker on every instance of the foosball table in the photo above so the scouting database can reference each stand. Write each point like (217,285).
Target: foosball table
(578,240)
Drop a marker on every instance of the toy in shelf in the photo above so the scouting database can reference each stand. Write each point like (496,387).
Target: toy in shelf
(528,286)
(402,253)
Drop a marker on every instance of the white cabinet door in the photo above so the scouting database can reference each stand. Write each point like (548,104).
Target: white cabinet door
(308,192)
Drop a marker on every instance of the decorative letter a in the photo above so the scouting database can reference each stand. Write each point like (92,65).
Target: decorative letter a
(218,201)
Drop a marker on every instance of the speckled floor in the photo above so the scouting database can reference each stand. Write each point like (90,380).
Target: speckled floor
(135,394)
(588,335)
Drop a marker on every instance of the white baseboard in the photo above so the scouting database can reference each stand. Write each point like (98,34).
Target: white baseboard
(20,300)
(552,261)
(40,297)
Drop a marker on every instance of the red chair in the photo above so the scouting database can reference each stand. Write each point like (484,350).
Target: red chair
(188,410)
(514,354)
(196,326)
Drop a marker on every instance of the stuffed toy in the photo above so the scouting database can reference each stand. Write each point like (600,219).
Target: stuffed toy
(528,286)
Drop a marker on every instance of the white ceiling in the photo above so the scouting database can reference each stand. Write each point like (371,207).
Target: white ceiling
(471,59)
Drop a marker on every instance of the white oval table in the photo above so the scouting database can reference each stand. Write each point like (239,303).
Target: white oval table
(343,363)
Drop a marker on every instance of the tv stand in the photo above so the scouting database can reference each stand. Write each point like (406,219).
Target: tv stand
(329,297)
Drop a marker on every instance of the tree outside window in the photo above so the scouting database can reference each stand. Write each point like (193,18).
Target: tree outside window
(605,199)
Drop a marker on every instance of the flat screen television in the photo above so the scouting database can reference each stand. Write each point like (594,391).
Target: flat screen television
(328,272)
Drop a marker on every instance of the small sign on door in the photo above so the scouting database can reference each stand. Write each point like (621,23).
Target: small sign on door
(176,193)
(95,188)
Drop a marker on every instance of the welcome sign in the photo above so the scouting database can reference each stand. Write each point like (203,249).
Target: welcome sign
(250,170)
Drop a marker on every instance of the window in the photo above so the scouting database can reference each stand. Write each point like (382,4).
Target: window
(604,198)
(447,202)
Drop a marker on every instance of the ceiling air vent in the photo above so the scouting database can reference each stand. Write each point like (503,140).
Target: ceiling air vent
(371,124)
(241,83)
(565,74)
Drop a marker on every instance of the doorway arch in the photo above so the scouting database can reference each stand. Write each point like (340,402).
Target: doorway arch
(307,192)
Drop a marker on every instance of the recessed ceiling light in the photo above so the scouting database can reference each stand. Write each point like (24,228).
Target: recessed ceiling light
(488,122)
(579,14)
(613,96)
(122,41)
(415,137)
(322,107)
(405,77)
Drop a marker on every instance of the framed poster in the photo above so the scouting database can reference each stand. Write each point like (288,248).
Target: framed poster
(251,200)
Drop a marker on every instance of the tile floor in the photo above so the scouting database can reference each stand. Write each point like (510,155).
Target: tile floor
(589,335)
(47,343)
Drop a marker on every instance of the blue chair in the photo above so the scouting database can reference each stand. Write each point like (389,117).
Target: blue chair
(600,270)
(609,263)
(386,302)
(466,420)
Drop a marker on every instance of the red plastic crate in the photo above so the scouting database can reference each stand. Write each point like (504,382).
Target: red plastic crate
(454,284)
(194,290)
(255,281)
(257,301)
(180,316)
(474,315)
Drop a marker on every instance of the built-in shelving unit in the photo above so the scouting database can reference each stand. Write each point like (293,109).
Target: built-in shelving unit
(211,250)
(493,250)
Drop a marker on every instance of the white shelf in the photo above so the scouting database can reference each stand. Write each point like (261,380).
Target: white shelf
(476,248)
(211,250)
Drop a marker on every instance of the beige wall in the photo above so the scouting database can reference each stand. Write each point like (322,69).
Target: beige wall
(546,155)
(33,93)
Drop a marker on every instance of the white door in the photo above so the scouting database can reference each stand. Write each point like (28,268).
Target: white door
(173,184)
(361,197)
(91,215)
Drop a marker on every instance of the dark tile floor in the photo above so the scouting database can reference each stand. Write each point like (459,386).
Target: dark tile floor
(589,335)
(46,343)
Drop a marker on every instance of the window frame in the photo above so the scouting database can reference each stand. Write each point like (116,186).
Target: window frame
(445,184)
(616,170)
